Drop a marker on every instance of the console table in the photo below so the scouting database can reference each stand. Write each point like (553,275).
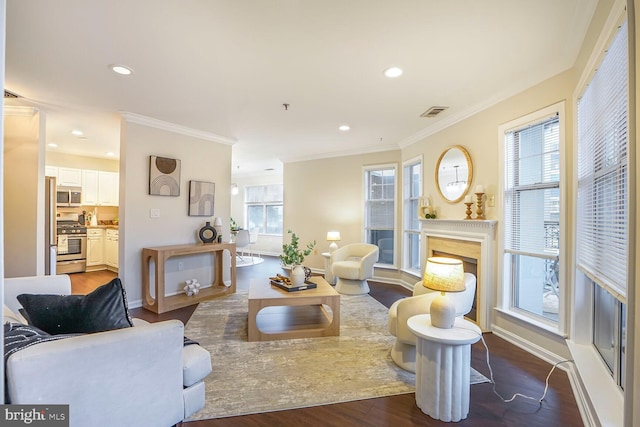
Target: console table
(159,255)
(443,366)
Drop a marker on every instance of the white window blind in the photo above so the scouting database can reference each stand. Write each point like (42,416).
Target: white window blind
(602,216)
(532,189)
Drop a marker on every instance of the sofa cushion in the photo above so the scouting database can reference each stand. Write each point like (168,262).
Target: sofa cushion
(196,363)
(103,309)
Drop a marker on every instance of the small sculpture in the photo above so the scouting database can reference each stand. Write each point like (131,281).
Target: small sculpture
(192,287)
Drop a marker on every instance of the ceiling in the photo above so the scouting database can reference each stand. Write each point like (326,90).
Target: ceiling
(226,67)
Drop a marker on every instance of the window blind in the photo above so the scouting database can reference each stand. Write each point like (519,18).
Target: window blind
(602,200)
(532,189)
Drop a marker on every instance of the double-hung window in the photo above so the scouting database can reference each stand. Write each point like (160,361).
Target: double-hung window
(602,226)
(264,208)
(531,195)
(379,210)
(411,192)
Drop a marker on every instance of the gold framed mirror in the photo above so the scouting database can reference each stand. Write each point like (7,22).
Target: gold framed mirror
(454,173)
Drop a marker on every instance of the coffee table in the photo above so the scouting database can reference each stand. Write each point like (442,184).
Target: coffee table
(275,314)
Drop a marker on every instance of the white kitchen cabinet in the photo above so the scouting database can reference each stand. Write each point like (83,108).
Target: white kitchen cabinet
(108,188)
(100,188)
(95,246)
(111,247)
(69,177)
(51,171)
(89,187)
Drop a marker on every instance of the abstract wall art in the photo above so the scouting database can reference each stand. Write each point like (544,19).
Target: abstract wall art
(164,176)
(201,197)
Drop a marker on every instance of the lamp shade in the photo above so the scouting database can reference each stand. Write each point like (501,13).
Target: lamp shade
(444,275)
(333,236)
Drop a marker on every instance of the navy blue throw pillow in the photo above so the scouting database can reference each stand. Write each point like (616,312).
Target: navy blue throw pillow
(103,309)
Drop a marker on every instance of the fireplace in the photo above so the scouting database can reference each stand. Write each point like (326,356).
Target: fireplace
(473,242)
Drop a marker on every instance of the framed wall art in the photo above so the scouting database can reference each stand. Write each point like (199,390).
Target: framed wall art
(164,176)
(201,197)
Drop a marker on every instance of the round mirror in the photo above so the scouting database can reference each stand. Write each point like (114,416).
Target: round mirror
(454,173)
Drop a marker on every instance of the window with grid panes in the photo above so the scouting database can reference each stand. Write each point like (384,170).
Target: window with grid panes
(379,221)
(264,208)
(411,192)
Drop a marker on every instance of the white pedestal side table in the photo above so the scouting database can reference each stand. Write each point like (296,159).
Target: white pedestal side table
(328,274)
(443,367)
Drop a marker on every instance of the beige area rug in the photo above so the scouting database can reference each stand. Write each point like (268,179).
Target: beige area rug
(253,377)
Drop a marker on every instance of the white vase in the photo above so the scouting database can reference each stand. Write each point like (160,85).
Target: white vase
(297,275)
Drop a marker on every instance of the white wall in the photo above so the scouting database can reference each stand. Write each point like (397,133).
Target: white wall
(201,160)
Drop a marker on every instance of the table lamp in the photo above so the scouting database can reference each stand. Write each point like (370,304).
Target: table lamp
(333,237)
(444,275)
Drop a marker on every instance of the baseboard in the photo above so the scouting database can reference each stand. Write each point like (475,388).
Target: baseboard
(579,392)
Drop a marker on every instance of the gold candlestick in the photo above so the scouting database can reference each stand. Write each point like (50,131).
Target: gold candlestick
(479,203)
(468,212)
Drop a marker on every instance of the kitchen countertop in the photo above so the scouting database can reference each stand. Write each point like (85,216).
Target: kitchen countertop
(103,226)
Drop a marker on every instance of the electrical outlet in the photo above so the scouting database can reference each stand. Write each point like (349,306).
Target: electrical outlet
(180,265)
(154,213)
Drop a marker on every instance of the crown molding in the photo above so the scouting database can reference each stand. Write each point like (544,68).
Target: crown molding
(19,110)
(171,127)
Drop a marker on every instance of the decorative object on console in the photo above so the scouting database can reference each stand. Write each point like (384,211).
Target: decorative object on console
(480,201)
(208,233)
(217,224)
(164,176)
(192,287)
(333,237)
(201,198)
(444,275)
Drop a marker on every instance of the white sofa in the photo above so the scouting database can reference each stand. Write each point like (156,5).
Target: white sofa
(403,351)
(136,376)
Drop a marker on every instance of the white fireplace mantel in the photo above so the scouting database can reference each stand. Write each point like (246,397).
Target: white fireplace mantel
(482,232)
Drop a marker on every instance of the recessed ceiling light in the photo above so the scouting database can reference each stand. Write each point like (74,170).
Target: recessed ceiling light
(76,132)
(344,128)
(121,69)
(111,153)
(393,72)
(52,144)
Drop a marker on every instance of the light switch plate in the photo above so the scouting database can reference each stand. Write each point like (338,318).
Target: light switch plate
(154,213)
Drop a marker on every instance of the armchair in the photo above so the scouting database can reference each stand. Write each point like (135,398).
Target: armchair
(403,351)
(352,265)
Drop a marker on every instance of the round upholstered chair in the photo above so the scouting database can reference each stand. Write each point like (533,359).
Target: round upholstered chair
(352,265)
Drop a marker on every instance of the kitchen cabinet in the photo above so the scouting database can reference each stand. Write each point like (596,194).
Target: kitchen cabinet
(95,246)
(69,177)
(100,188)
(111,248)
(51,171)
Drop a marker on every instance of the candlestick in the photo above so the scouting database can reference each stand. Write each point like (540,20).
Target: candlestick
(468,212)
(479,203)
(468,199)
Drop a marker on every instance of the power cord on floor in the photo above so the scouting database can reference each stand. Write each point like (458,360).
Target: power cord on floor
(516,395)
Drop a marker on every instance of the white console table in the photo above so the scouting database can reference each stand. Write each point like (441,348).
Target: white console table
(443,367)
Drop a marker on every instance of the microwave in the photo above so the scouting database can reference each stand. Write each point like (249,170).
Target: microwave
(69,196)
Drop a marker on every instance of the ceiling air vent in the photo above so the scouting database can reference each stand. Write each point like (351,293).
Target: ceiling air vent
(8,94)
(433,111)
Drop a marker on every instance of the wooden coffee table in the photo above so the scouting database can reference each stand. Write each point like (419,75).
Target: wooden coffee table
(275,314)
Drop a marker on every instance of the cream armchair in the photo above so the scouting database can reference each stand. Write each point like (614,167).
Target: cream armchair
(352,265)
(403,352)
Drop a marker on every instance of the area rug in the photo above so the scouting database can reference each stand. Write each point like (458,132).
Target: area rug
(254,377)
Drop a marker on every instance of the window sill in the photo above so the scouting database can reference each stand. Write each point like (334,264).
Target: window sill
(531,321)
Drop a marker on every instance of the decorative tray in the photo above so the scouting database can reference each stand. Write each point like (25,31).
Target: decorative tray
(290,288)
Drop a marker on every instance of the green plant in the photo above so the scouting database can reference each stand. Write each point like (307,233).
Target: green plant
(233,225)
(292,254)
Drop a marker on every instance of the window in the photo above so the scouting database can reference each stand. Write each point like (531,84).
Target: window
(602,225)
(379,221)
(264,208)
(531,188)
(411,191)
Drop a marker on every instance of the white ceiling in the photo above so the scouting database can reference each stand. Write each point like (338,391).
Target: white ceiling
(225,67)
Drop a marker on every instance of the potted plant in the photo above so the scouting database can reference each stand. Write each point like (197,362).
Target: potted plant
(293,256)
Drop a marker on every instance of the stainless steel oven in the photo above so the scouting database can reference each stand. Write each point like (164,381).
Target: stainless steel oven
(72,248)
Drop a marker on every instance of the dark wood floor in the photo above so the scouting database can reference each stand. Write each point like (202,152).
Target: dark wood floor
(515,371)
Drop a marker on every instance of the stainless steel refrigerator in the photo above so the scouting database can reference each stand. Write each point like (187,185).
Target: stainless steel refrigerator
(50,231)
